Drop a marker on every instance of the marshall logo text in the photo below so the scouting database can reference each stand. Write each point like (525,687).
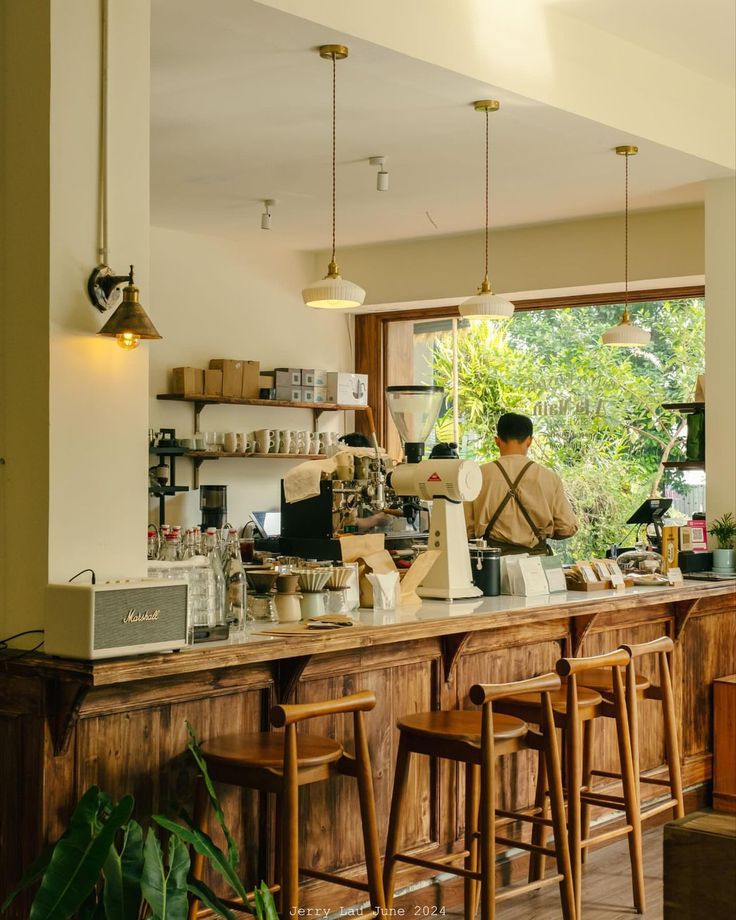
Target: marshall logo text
(145,616)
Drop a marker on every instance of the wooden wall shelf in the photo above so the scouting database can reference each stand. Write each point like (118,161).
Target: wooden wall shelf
(684,464)
(219,454)
(201,401)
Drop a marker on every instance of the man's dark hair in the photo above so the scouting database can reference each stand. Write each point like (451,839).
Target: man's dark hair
(355,439)
(514,427)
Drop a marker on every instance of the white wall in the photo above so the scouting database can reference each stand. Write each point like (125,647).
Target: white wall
(74,406)
(213,298)
(720,346)
(568,254)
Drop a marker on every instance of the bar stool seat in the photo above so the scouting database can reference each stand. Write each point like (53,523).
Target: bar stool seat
(588,701)
(460,725)
(266,750)
(601,679)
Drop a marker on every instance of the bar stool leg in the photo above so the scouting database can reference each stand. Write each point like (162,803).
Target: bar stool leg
(487,818)
(368,814)
(631,793)
(587,781)
(557,807)
(472,793)
(290,827)
(539,832)
(398,801)
(199,819)
(574,771)
(670,735)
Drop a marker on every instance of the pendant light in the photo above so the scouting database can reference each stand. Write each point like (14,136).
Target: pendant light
(333,292)
(626,334)
(130,322)
(485,304)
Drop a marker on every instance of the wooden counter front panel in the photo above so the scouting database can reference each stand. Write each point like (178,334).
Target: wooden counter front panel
(131,737)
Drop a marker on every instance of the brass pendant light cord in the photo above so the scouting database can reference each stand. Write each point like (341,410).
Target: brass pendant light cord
(102,152)
(486,271)
(334,150)
(626,237)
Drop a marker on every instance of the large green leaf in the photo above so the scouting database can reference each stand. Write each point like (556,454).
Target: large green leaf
(264,903)
(198,888)
(205,846)
(78,857)
(232,847)
(153,877)
(176,881)
(131,863)
(112,895)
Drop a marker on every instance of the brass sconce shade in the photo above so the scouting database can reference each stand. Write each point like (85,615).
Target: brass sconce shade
(485,304)
(626,334)
(333,292)
(129,323)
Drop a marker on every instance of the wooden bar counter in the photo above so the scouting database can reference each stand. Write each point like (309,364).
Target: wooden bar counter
(65,725)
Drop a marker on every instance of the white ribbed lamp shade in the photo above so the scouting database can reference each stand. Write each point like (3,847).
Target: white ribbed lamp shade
(626,334)
(333,293)
(486,305)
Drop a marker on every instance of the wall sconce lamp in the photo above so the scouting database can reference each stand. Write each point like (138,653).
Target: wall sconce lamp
(130,322)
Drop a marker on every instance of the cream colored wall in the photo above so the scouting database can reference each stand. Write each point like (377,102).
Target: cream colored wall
(75,409)
(219,298)
(720,346)
(662,244)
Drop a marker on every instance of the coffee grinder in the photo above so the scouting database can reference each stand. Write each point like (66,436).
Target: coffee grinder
(447,483)
(213,505)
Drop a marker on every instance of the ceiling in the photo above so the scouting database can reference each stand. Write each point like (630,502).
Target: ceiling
(700,35)
(241,112)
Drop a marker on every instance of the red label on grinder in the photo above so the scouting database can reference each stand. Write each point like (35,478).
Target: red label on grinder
(435,477)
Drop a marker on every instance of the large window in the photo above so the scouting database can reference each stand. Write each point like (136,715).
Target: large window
(597,411)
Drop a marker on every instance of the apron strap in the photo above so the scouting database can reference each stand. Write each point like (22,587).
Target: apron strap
(513,493)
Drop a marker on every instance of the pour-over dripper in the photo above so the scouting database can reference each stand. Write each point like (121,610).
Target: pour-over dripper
(414,410)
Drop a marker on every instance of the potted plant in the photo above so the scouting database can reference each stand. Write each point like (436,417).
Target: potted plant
(103,868)
(724,530)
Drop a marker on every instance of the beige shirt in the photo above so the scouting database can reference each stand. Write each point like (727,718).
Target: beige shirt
(542,493)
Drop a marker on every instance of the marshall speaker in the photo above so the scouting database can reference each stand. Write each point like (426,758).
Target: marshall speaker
(115,619)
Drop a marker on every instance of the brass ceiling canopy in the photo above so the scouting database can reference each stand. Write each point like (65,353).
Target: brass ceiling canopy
(333,52)
(626,150)
(486,105)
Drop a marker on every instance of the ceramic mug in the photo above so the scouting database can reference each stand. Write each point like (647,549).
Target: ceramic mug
(284,441)
(265,442)
(230,442)
(188,443)
(302,440)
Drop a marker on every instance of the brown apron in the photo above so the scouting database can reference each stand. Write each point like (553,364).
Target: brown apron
(542,548)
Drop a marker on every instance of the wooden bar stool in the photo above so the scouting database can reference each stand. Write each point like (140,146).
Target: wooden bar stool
(639,688)
(281,762)
(587,705)
(477,739)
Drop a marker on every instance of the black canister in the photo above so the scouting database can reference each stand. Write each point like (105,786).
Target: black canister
(486,567)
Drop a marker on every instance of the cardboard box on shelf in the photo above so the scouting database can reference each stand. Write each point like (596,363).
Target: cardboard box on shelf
(266,379)
(187,381)
(308,394)
(251,379)
(288,377)
(213,382)
(232,375)
(289,394)
(347,389)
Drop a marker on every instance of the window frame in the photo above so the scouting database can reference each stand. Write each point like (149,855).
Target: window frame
(371,340)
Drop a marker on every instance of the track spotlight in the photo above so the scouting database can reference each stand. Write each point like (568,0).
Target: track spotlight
(382,175)
(268,203)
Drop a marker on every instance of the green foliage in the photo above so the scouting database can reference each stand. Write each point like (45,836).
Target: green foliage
(100,868)
(724,530)
(597,411)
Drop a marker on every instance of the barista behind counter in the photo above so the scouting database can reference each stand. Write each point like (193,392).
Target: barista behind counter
(521,503)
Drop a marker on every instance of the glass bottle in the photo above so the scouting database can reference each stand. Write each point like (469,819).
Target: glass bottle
(170,549)
(217,596)
(235,591)
(152,543)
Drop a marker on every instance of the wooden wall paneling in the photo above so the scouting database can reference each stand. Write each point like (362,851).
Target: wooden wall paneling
(709,651)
